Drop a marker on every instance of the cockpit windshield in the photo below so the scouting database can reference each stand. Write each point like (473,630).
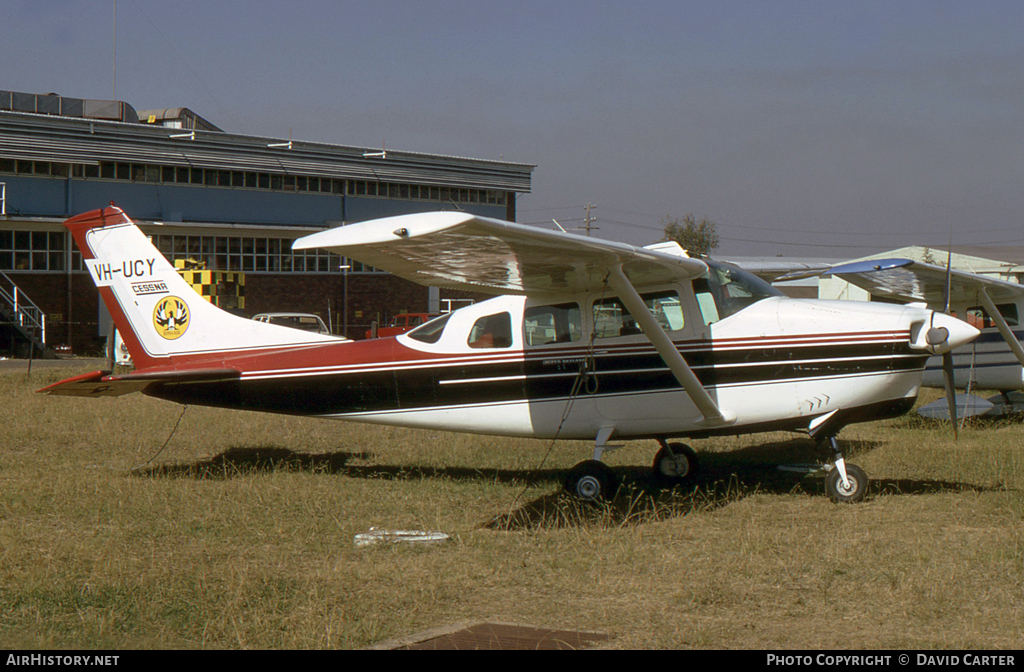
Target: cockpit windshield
(728,289)
(431,331)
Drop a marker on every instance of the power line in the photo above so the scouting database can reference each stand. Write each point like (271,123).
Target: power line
(914,236)
(561,207)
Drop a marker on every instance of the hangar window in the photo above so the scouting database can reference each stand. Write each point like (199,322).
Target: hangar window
(253,254)
(32,251)
(213,177)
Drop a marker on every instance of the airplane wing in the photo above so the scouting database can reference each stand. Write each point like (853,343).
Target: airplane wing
(907,280)
(774,270)
(458,250)
(102,384)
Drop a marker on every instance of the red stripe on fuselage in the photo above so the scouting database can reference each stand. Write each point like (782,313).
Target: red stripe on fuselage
(354,356)
(300,359)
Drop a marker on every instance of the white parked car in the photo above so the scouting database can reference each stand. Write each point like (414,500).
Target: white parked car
(304,321)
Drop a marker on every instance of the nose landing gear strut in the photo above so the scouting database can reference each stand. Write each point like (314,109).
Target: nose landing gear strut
(843,482)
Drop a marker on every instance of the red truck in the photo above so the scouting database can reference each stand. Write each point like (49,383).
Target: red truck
(401,324)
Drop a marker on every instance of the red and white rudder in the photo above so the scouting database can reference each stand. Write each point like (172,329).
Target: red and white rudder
(161,318)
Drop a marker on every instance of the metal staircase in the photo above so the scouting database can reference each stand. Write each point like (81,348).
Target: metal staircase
(22,324)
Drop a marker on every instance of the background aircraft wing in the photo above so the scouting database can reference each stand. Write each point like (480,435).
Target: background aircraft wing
(462,251)
(772,270)
(907,280)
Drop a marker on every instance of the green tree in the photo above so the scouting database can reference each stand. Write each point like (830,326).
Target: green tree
(697,237)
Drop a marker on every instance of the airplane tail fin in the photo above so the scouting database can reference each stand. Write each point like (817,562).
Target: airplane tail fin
(161,318)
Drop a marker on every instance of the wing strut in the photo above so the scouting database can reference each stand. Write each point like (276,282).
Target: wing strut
(713,415)
(1004,328)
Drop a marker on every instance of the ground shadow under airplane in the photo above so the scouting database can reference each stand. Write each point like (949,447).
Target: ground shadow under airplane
(722,478)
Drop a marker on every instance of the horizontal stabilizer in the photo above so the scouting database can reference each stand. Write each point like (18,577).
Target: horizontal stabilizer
(102,384)
(95,384)
(186,376)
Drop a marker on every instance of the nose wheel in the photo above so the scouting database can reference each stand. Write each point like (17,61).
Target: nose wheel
(852,490)
(844,482)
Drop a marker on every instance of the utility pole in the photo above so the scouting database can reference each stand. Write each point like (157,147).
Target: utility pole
(588,221)
(114,73)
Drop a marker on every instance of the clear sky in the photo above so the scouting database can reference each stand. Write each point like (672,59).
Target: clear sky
(801,128)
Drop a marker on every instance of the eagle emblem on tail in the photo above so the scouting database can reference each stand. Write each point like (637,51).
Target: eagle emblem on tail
(171,317)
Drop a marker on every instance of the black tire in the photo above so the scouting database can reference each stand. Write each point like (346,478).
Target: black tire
(592,481)
(675,464)
(855,492)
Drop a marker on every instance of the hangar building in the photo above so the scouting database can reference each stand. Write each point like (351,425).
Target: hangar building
(230,202)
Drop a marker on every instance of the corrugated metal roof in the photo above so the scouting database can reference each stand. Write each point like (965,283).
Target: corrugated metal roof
(70,140)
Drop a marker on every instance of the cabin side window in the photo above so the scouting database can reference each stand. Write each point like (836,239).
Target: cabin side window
(611,319)
(667,310)
(559,323)
(705,301)
(491,331)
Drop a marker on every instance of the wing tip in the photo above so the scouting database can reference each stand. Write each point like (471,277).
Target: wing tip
(384,229)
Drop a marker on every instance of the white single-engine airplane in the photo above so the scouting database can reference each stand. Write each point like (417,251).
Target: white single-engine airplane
(590,339)
(994,361)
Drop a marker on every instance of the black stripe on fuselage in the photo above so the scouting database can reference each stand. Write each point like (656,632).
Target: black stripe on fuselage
(538,377)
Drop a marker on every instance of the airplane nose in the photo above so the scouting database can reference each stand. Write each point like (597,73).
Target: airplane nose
(948,333)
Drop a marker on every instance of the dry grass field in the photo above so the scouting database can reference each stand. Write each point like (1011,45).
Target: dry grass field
(239,534)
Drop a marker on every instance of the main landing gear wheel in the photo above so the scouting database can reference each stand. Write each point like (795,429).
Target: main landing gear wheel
(854,491)
(592,481)
(675,463)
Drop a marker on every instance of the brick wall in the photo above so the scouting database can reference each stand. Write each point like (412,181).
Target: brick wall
(370,297)
(73,322)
